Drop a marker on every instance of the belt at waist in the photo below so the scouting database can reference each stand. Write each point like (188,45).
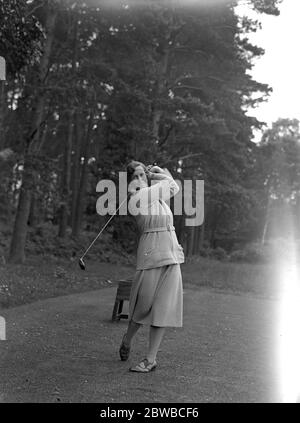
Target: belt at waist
(161,229)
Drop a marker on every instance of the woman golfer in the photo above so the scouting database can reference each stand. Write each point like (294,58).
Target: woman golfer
(156,293)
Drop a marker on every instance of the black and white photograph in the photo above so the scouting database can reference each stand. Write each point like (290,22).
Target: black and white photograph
(149,205)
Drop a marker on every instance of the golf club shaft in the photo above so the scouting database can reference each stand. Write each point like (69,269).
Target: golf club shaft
(103,228)
(86,251)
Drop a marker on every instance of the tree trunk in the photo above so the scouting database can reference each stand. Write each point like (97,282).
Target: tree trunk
(266,224)
(267,218)
(34,139)
(178,227)
(202,236)
(196,240)
(76,170)
(157,112)
(32,218)
(191,238)
(76,144)
(2,113)
(66,179)
(17,247)
(43,137)
(216,215)
(83,179)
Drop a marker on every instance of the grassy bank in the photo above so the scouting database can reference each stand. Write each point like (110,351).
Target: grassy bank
(259,279)
(45,277)
(49,277)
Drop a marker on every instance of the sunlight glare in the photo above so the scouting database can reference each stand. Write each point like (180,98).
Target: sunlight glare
(289,335)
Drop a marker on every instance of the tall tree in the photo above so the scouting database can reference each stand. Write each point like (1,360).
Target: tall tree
(165,82)
(33,138)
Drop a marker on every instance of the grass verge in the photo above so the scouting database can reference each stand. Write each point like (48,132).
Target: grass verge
(45,277)
(42,278)
(258,279)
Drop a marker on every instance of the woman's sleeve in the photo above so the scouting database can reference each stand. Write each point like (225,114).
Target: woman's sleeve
(162,190)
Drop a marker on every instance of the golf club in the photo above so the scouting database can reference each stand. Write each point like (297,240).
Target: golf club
(81,261)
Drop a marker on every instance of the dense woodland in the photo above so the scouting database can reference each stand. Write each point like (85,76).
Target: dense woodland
(90,85)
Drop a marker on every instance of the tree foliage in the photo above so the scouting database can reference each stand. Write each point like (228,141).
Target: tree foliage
(94,84)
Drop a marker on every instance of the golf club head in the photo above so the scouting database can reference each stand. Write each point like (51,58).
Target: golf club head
(81,264)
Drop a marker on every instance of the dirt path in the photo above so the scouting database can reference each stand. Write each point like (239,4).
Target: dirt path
(66,349)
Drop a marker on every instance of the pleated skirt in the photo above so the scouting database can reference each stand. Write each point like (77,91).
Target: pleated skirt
(156,296)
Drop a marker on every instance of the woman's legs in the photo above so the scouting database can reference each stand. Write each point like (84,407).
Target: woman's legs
(132,329)
(156,334)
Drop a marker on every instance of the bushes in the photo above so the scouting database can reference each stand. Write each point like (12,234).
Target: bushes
(274,250)
(251,253)
(111,248)
(43,241)
(205,252)
(218,254)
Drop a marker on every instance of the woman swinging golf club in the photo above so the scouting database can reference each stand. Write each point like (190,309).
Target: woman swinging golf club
(156,293)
